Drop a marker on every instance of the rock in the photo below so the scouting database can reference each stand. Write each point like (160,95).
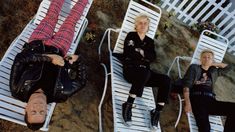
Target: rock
(224,90)
(104,19)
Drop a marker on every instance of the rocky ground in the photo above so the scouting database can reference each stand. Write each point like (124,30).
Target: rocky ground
(80,112)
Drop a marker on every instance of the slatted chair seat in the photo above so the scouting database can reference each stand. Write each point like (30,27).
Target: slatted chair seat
(12,109)
(215,122)
(218,44)
(120,87)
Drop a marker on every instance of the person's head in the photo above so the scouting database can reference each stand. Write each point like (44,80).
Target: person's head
(142,23)
(35,111)
(207,57)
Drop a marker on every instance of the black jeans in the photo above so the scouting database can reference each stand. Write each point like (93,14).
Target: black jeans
(140,77)
(203,106)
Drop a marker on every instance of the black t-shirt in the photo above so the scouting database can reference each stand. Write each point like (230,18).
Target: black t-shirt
(204,83)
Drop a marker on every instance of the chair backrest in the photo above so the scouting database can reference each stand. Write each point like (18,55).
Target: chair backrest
(210,40)
(12,109)
(135,9)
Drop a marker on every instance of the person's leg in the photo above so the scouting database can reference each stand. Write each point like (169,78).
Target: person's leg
(200,110)
(229,124)
(164,83)
(45,29)
(138,77)
(225,109)
(63,38)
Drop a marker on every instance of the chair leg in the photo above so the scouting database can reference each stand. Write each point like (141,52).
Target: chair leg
(180,110)
(102,99)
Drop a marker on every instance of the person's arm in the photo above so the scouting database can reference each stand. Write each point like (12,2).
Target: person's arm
(219,65)
(25,58)
(55,59)
(77,74)
(187,107)
(187,84)
(189,76)
(222,68)
(149,52)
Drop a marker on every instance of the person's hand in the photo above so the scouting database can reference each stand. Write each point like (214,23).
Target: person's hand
(71,58)
(56,59)
(140,51)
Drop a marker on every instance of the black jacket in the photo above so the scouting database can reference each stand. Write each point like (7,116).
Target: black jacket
(194,72)
(134,58)
(29,68)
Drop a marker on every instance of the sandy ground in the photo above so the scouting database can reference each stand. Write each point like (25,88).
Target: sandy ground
(80,112)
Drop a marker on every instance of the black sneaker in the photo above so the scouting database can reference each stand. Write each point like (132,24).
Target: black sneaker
(154,115)
(126,113)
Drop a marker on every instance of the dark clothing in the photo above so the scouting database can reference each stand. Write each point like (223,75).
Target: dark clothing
(203,100)
(204,83)
(140,77)
(136,68)
(48,80)
(134,58)
(194,72)
(31,70)
(203,106)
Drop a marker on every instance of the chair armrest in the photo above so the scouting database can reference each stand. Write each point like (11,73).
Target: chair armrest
(108,31)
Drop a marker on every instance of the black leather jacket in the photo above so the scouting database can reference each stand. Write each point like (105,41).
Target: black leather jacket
(27,71)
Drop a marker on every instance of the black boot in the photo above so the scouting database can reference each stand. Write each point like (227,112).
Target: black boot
(126,113)
(155,115)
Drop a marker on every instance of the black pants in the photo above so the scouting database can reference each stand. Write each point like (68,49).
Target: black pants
(203,106)
(140,77)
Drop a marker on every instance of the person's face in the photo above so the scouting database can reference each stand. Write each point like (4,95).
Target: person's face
(207,59)
(142,25)
(36,108)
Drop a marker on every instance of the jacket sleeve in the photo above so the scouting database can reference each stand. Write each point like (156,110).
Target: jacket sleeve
(71,79)
(25,58)
(223,71)
(149,52)
(77,75)
(79,69)
(189,76)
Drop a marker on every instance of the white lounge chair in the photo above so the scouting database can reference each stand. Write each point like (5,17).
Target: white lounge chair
(12,109)
(218,44)
(120,87)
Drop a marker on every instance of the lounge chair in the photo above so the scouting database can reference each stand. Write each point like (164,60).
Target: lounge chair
(120,87)
(218,44)
(12,109)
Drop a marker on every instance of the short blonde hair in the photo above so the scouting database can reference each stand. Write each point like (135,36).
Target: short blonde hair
(207,51)
(141,16)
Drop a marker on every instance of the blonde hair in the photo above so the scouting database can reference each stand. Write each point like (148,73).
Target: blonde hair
(207,51)
(141,16)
